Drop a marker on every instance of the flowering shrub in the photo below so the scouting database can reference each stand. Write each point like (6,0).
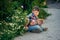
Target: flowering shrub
(11,29)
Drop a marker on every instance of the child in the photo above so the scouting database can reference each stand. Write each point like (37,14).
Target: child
(34,22)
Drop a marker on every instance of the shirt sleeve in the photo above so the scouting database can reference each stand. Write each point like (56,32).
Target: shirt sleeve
(29,15)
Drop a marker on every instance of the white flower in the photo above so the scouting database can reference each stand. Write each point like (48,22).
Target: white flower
(22,18)
(19,26)
(12,24)
(13,29)
(0,38)
(0,23)
(1,32)
(22,6)
(8,32)
(24,28)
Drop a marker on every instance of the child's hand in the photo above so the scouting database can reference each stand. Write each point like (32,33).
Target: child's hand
(33,22)
(26,28)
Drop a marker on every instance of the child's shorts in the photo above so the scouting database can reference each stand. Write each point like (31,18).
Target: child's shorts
(30,28)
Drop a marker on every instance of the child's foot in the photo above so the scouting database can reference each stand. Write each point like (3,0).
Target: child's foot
(36,31)
(45,29)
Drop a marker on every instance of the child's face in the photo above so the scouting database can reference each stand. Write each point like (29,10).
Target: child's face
(36,13)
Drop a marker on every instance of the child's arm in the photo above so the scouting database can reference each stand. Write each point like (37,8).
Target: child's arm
(27,22)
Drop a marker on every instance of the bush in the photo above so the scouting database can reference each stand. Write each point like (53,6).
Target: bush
(11,29)
(43,14)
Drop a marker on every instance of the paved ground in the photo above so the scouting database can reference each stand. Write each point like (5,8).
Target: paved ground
(53,24)
(54,5)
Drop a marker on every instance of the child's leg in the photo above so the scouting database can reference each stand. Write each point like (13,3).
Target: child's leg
(44,29)
(34,28)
